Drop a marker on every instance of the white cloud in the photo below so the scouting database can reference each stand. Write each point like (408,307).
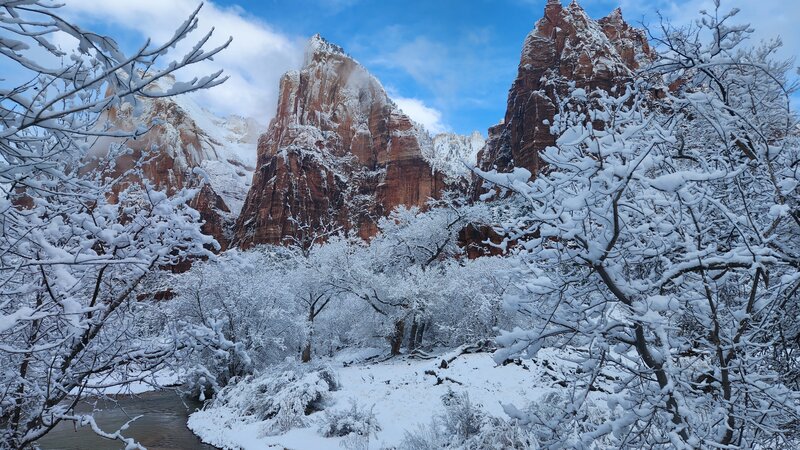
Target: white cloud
(255,60)
(430,118)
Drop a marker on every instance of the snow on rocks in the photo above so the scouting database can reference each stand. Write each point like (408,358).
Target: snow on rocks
(182,145)
(567,49)
(189,136)
(454,154)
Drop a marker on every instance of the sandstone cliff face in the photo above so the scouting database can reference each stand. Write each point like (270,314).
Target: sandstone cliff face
(566,46)
(185,138)
(338,154)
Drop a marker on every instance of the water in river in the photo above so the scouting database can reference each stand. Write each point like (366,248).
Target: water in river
(162,427)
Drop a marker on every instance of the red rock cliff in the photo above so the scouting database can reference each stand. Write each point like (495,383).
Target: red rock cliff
(183,137)
(338,153)
(566,46)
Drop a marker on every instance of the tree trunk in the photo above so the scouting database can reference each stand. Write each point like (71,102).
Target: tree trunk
(305,356)
(397,339)
(420,333)
(412,336)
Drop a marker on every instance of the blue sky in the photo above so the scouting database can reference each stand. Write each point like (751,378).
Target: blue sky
(448,63)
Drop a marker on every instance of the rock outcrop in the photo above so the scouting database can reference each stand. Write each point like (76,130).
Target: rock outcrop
(339,154)
(566,47)
(183,138)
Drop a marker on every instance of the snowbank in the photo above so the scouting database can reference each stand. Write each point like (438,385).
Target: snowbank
(403,394)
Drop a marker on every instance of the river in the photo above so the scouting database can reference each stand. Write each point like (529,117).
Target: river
(162,427)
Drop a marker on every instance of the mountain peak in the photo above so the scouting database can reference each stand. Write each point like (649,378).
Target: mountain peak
(614,17)
(574,5)
(337,151)
(318,46)
(565,47)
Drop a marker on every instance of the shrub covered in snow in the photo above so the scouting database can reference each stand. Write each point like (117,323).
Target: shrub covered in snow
(464,425)
(281,398)
(462,419)
(355,420)
(543,419)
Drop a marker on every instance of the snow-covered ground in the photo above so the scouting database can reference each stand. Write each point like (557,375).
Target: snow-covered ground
(403,393)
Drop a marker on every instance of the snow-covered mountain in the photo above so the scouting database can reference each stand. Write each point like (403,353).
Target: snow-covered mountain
(566,48)
(187,143)
(339,153)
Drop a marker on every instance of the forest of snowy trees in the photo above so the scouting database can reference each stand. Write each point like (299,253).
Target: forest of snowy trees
(655,260)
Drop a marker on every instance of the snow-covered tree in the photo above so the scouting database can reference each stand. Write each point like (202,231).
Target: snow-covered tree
(399,273)
(466,300)
(237,314)
(307,280)
(661,243)
(70,257)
